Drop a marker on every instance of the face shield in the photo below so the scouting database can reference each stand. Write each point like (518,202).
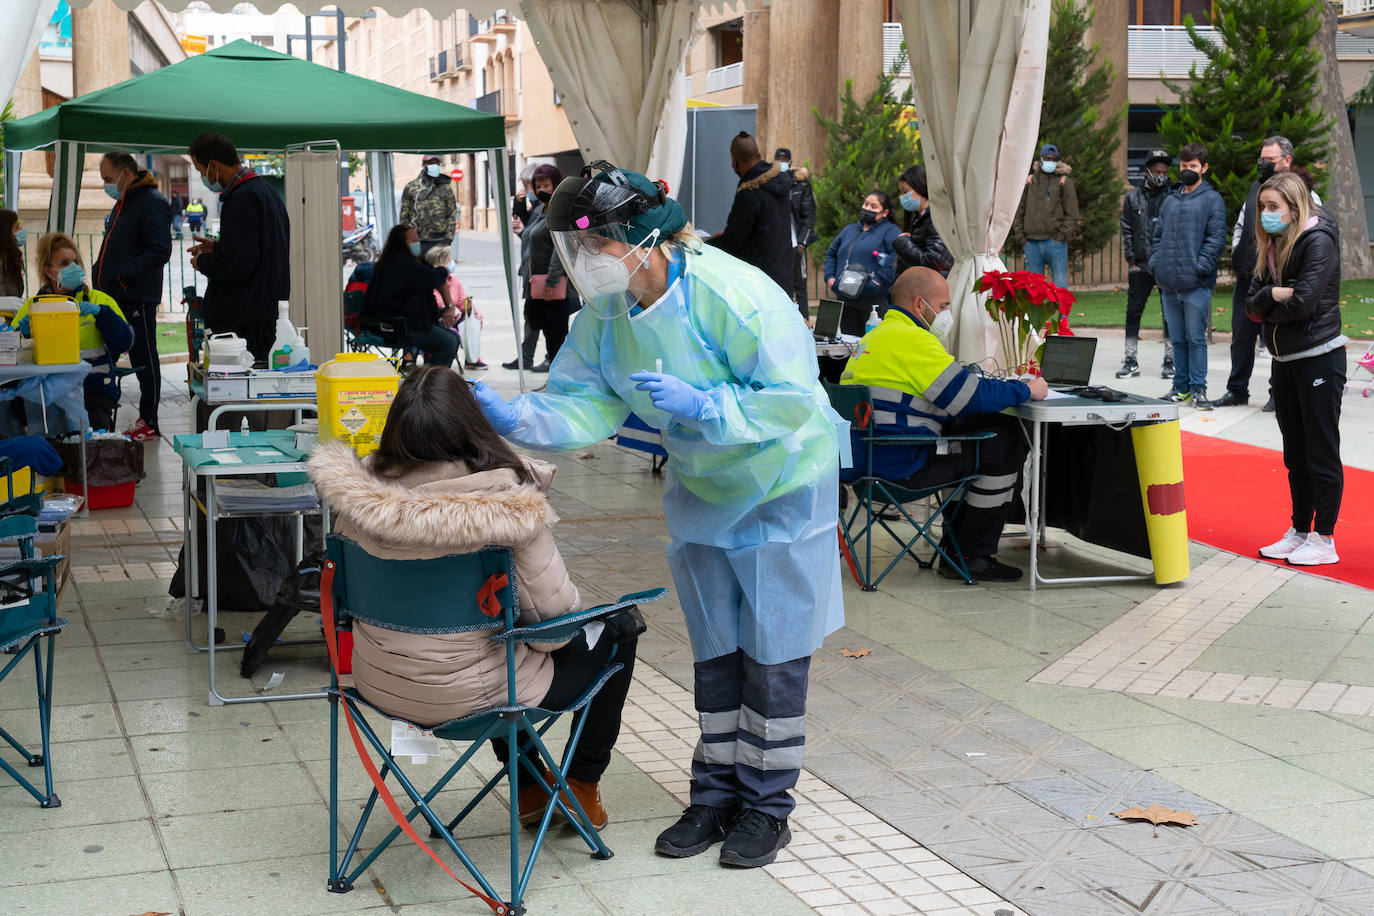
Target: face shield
(601,262)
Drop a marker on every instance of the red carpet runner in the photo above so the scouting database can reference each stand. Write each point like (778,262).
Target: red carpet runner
(1237,497)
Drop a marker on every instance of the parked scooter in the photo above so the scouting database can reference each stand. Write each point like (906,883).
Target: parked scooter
(361,245)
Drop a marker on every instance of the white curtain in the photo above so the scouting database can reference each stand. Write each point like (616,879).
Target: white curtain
(24,24)
(670,143)
(614,71)
(312,208)
(978,67)
(379,166)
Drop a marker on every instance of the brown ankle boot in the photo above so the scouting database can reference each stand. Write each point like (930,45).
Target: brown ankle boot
(588,795)
(532,798)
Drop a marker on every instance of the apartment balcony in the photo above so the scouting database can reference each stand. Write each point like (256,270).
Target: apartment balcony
(727,77)
(497,102)
(1357,18)
(460,60)
(1166,49)
(490,30)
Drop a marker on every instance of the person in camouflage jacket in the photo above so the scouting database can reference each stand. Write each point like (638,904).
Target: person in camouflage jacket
(427,203)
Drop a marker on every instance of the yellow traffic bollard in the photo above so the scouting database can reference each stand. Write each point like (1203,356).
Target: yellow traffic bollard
(1159,465)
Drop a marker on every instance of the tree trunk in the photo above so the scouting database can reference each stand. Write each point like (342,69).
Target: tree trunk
(1345,198)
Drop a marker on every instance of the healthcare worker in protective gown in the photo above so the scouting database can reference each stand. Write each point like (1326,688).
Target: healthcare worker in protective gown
(711,352)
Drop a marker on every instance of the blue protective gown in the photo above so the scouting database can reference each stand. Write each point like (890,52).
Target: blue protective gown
(752,497)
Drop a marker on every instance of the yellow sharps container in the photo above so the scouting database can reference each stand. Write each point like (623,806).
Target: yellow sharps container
(1159,464)
(354,392)
(54,325)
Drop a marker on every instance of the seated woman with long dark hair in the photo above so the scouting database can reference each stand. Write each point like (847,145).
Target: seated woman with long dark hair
(443,482)
(403,286)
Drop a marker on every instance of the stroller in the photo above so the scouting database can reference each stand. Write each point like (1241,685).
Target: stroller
(1366,362)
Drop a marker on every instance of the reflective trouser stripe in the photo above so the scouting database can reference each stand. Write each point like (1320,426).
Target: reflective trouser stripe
(991,491)
(767,729)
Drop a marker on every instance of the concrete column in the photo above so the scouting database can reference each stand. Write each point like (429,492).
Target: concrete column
(100,58)
(754,91)
(860,45)
(1109,31)
(803,68)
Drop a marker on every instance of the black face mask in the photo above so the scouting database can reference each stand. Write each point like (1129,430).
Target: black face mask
(1189,177)
(867,216)
(1266,171)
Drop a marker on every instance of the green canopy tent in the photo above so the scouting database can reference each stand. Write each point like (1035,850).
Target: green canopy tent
(265,102)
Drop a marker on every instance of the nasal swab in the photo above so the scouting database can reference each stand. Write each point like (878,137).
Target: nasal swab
(658,366)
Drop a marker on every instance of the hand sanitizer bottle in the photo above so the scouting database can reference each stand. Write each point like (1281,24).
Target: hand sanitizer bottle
(873,320)
(243,428)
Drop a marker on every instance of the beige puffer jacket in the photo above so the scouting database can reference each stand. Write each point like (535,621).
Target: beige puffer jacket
(436,510)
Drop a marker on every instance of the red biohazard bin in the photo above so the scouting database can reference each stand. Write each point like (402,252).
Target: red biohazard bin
(350,216)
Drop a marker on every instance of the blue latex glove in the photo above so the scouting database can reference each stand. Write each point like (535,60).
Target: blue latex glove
(498,412)
(671,394)
(89,308)
(23,326)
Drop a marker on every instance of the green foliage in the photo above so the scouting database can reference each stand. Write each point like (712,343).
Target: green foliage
(1261,80)
(869,145)
(1076,88)
(6,114)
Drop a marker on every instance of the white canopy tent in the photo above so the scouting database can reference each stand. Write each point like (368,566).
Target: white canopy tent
(978,67)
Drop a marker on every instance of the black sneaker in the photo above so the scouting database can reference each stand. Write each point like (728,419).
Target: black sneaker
(699,828)
(1129,368)
(1167,369)
(982,569)
(1178,397)
(1231,399)
(513,364)
(754,840)
(1268,405)
(542,367)
(1200,401)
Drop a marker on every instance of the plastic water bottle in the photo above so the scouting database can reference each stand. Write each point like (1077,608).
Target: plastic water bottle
(243,428)
(873,320)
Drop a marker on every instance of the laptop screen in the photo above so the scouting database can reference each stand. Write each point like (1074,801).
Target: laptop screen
(1068,361)
(828,318)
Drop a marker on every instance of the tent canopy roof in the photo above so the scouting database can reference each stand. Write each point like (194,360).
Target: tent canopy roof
(263,101)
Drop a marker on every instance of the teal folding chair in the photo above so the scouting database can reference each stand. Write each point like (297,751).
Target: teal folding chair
(28,625)
(475,592)
(877,499)
(28,504)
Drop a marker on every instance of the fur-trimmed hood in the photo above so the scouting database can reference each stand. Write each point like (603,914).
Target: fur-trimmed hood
(437,506)
(772,179)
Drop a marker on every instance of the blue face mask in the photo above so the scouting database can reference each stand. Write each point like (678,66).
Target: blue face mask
(21,236)
(1048,166)
(415,249)
(213,186)
(1272,222)
(910,202)
(112,190)
(72,276)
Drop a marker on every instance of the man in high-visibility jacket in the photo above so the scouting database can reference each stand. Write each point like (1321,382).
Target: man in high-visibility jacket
(917,388)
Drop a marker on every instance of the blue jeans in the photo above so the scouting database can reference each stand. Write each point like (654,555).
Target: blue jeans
(1040,252)
(1185,312)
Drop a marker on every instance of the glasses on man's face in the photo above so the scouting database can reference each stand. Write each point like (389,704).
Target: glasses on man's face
(1272,161)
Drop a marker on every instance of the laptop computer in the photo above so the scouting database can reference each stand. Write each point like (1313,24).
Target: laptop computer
(1067,361)
(828,314)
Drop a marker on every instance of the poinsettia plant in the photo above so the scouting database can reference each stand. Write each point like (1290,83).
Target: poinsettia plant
(1027,308)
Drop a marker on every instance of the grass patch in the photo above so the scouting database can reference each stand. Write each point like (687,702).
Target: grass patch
(1106,308)
(171,337)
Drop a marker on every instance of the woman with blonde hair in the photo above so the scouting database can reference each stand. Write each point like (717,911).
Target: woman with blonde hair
(1297,297)
(102,332)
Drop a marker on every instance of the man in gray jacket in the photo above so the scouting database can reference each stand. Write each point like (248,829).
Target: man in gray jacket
(1188,239)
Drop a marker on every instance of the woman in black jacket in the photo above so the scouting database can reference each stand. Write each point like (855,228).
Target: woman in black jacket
(403,286)
(546,287)
(1296,294)
(920,244)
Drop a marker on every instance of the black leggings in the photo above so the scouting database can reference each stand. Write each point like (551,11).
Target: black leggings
(1307,404)
(574,668)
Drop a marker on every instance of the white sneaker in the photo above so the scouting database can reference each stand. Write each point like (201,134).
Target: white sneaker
(1284,546)
(1315,551)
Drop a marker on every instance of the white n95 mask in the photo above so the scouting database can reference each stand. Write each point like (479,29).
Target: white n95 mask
(941,326)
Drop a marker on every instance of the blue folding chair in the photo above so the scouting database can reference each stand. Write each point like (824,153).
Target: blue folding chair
(473,592)
(878,501)
(28,617)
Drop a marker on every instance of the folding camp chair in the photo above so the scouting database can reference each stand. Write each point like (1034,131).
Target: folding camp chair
(877,498)
(452,594)
(28,617)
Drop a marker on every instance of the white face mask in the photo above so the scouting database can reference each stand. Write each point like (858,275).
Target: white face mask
(784,166)
(942,325)
(432,170)
(601,274)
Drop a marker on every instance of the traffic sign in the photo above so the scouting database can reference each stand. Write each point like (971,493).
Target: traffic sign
(457,174)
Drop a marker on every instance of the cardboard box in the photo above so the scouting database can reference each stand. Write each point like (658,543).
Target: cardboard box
(273,384)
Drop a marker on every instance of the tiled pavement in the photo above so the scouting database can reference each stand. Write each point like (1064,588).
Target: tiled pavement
(952,770)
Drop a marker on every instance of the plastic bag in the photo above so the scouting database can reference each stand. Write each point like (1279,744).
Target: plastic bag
(299,593)
(254,559)
(110,461)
